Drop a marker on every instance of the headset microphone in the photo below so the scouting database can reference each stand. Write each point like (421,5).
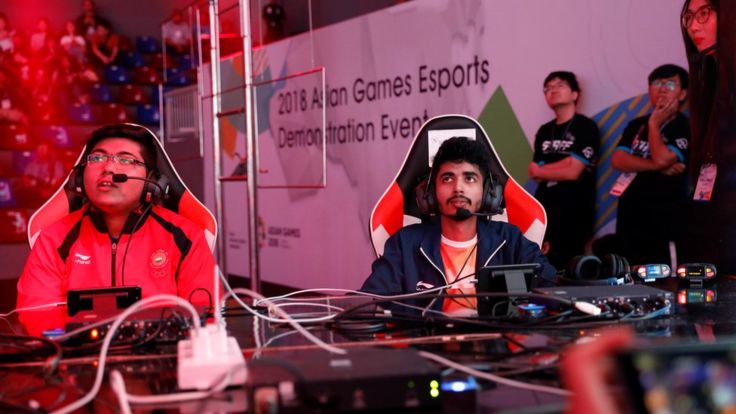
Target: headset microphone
(463,214)
(121,178)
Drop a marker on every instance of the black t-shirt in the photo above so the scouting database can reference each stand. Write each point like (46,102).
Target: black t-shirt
(578,138)
(570,205)
(653,203)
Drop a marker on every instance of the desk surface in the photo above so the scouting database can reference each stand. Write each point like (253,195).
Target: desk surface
(528,353)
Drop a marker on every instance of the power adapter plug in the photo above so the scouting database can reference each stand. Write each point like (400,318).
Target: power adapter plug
(210,359)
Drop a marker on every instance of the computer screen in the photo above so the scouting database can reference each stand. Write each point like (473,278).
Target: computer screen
(516,278)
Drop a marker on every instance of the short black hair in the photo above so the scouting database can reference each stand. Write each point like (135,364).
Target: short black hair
(668,71)
(459,149)
(566,76)
(133,132)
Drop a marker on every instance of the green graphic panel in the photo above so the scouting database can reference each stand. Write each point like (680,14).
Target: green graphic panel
(507,137)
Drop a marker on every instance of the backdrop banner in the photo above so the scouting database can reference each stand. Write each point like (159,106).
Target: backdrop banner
(360,89)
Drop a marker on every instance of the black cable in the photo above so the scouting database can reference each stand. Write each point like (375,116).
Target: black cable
(460,272)
(378,301)
(477,242)
(492,323)
(209,295)
(10,345)
(132,231)
(134,343)
(514,341)
(497,304)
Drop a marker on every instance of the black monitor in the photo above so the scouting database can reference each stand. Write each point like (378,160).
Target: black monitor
(108,301)
(515,278)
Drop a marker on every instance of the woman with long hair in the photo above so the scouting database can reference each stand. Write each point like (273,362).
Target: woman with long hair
(709,34)
(699,22)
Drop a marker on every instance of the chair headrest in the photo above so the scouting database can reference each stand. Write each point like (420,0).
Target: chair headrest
(179,199)
(398,205)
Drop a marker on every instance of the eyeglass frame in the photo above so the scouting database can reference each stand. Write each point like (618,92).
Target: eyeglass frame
(554,86)
(116,158)
(687,18)
(670,84)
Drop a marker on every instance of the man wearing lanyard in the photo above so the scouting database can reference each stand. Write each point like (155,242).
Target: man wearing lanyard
(565,152)
(652,156)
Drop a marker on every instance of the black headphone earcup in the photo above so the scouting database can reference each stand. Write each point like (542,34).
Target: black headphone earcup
(496,198)
(492,196)
(430,199)
(616,266)
(151,193)
(75,182)
(420,197)
(163,182)
(486,201)
(611,265)
(584,268)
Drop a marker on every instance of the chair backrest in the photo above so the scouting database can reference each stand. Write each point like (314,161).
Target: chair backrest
(180,200)
(398,206)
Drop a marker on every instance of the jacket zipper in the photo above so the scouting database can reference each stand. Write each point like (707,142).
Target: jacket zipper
(421,249)
(493,254)
(112,266)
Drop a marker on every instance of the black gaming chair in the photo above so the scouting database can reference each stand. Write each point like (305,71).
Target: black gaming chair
(179,200)
(398,205)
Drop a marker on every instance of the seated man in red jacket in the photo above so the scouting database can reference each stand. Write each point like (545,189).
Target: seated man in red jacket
(119,238)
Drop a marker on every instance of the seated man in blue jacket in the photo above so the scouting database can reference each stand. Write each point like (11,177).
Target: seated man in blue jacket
(425,256)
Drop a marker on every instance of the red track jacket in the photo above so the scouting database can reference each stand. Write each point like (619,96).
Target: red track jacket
(167,254)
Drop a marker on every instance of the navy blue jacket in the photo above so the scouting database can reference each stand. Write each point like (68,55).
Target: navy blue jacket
(412,262)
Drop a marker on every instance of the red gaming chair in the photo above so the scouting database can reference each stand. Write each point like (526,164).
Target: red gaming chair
(180,200)
(398,205)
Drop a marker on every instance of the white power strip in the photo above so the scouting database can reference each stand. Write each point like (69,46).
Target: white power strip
(210,359)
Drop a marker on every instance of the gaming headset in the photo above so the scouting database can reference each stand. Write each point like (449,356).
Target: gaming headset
(490,203)
(155,184)
(611,269)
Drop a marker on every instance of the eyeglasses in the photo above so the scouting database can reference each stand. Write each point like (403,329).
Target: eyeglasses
(121,160)
(554,86)
(701,15)
(669,84)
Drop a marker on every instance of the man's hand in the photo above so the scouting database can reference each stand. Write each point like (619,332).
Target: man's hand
(534,171)
(586,368)
(665,110)
(674,169)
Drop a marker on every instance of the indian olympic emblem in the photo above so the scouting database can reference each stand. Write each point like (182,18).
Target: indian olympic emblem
(159,259)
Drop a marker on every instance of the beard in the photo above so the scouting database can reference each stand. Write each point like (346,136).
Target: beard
(467,212)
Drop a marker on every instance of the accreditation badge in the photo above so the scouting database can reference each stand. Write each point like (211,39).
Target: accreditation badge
(706,182)
(622,183)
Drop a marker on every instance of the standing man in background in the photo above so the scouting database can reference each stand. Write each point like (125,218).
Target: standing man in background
(565,151)
(652,156)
